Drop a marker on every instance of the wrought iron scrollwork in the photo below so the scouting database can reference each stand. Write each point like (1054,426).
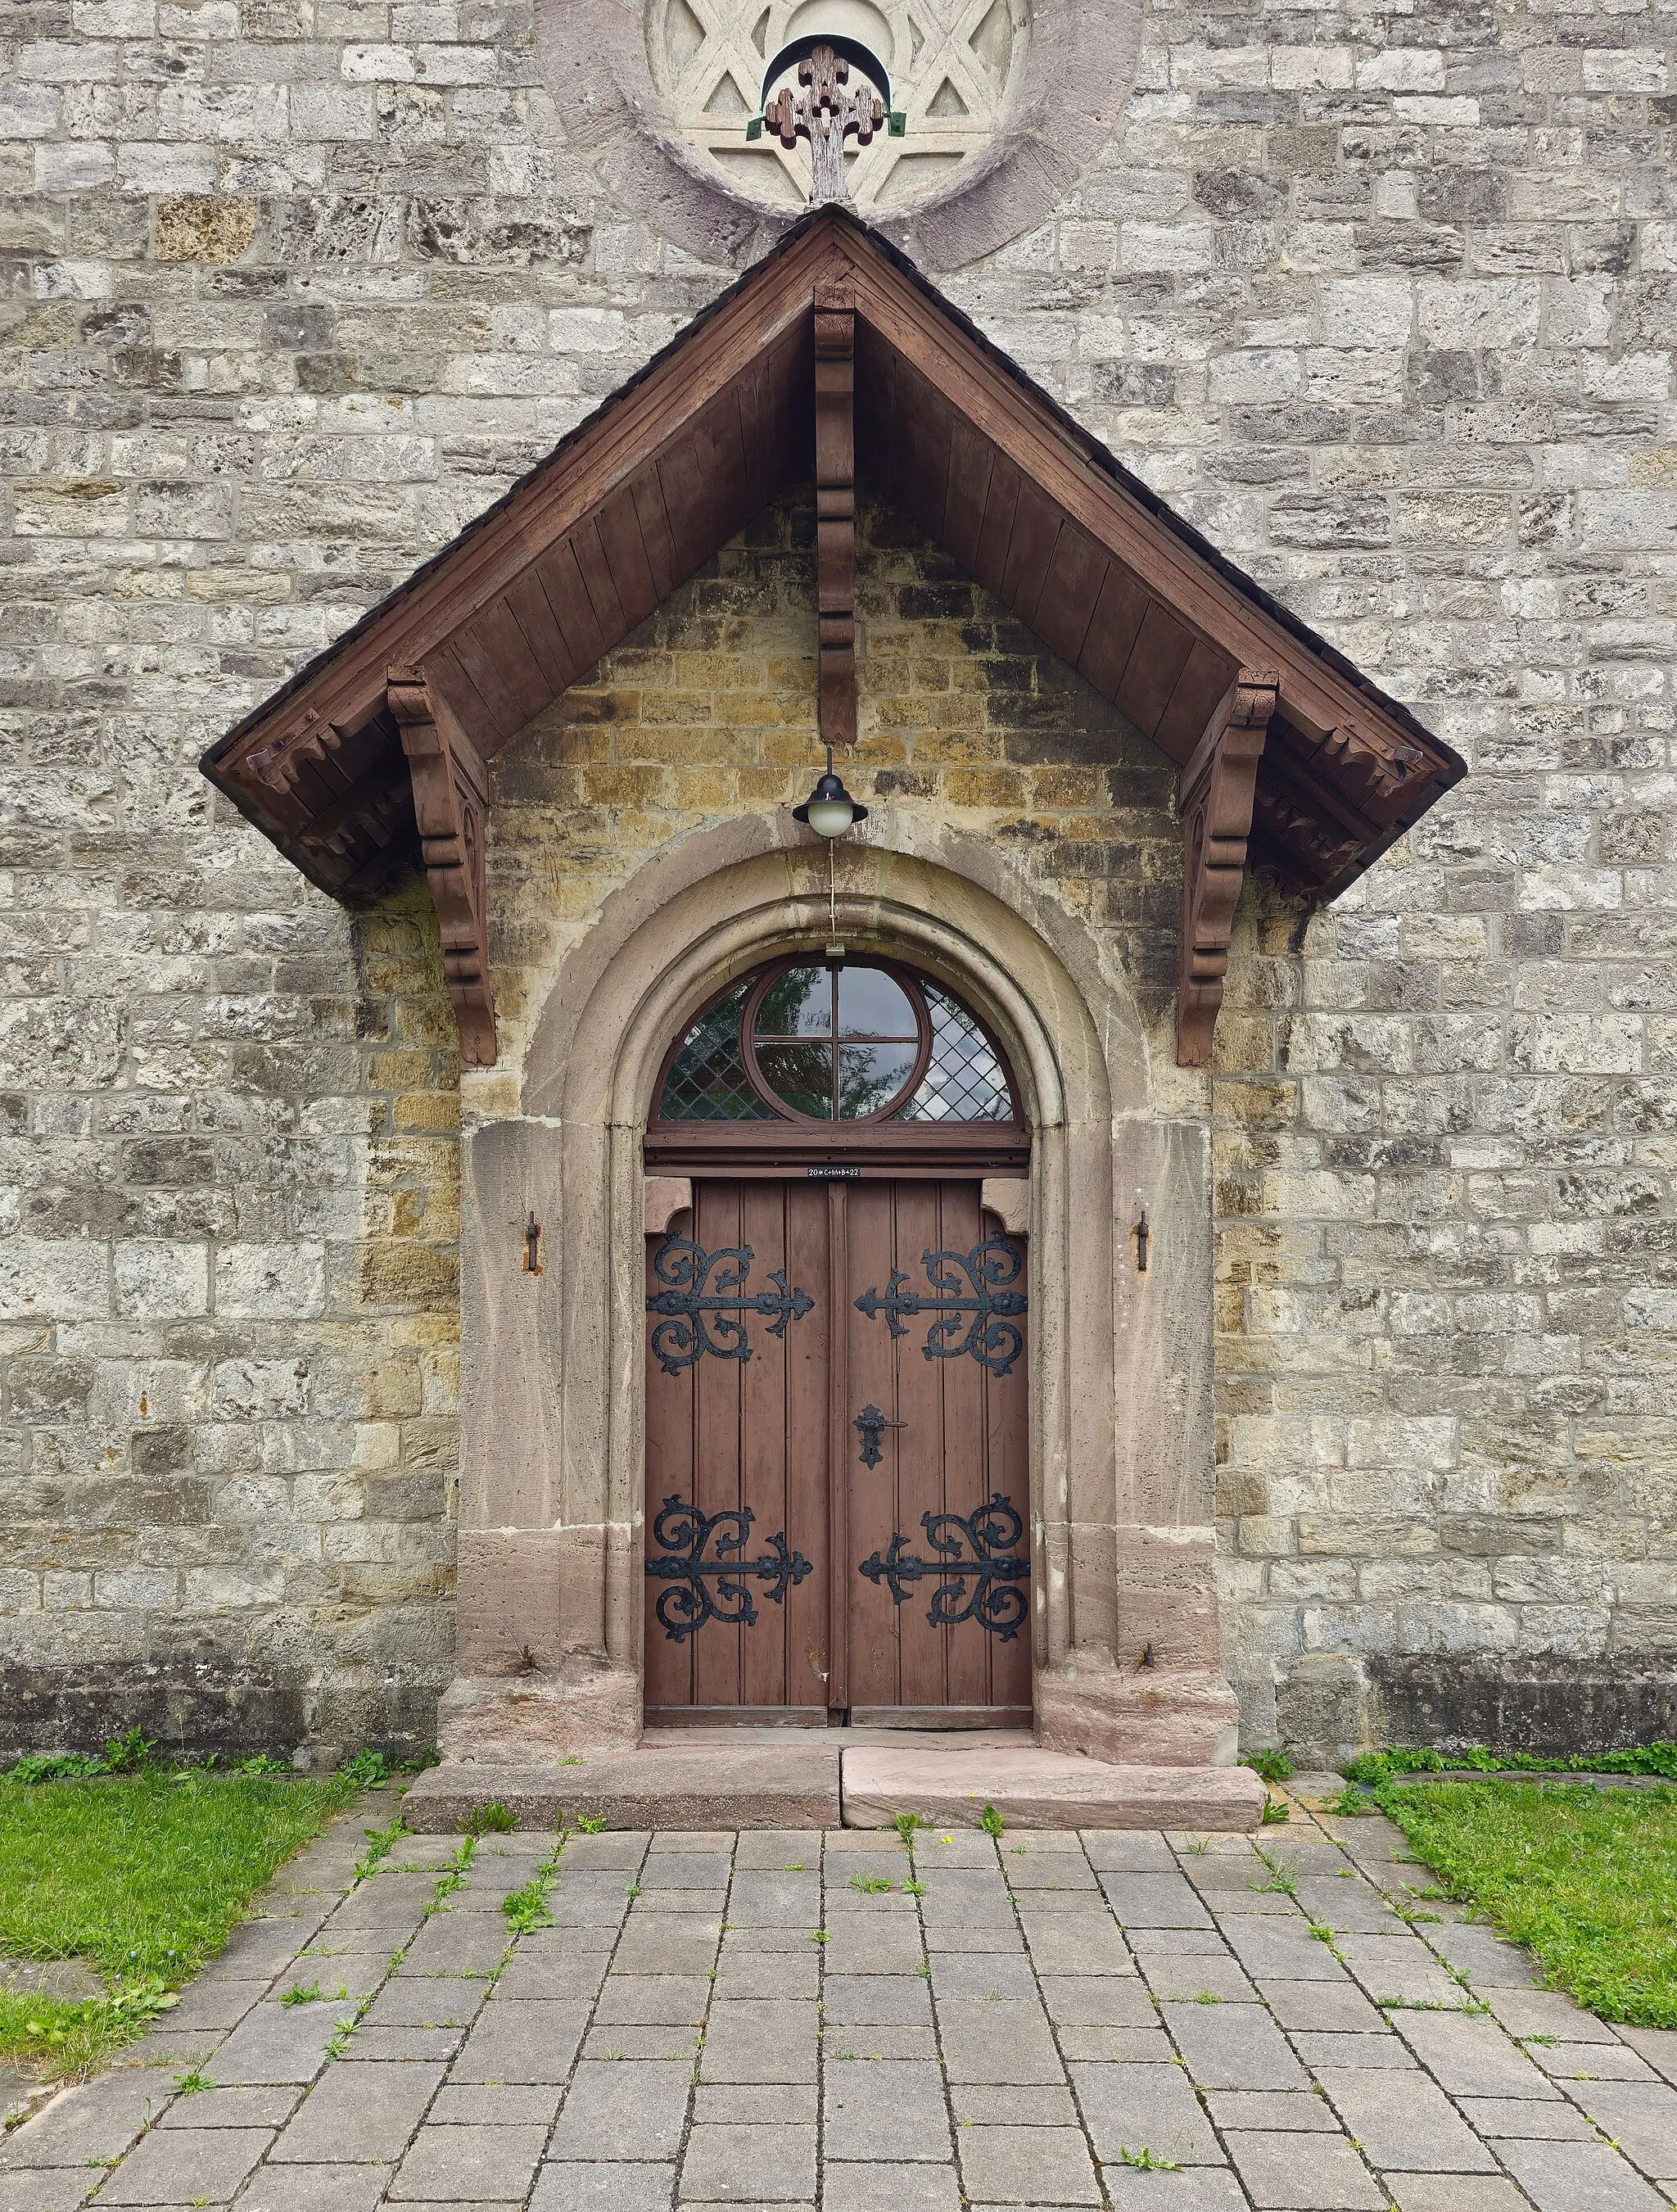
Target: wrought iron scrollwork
(992,1338)
(869,1424)
(982,1586)
(705,1298)
(714,1589)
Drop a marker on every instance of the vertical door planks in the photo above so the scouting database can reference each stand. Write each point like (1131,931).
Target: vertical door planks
(775,1434)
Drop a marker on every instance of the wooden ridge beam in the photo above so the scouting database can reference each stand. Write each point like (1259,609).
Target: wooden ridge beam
(451,795)
(835,511)
(1215,793)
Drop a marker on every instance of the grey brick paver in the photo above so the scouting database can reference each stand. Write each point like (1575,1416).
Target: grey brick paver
(1591,2062)
(1154,1900)
(1308,2173)
(1281,1951)
(984,2041)
(1472,2057)
(864,2187)
(1403,2124)
(276,2043)
(760,2040)
(1460,2193)
(1658,2046)
(1571,2177)
(517,2042)
(1191,1975)
(604,2188)
(267,2106)
(1068,1943)
(1525,2117)
(983,2104)
(1143,2107)
(1387,2053)
(315,2189)
(1233,2046)
(186,2165)
(426,2001)
(1200,2189)
(750,2163)
(892,2111)
(469,2165)
(98,2121)
(1266,2110)
(47,2189)
(359,2114)
(999,2041)
(1640,2116)
(1097,2001)
(1026,2165)
(1316,2007)
(622,2111)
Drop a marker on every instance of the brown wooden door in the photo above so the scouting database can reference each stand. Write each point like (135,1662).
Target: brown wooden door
(805,1560)
(940,1589)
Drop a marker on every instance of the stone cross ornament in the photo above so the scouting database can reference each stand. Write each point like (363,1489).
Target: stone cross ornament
(826,115)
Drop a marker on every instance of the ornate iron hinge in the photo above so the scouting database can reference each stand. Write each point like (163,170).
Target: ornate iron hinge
(696,1318)
(869,1424)
(994,1569)
(992,1339)
(685,1532)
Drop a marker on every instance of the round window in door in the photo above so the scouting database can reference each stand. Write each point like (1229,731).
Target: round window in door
(854,1042)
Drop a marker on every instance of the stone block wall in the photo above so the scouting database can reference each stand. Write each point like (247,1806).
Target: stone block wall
(1381,296)
(706,713)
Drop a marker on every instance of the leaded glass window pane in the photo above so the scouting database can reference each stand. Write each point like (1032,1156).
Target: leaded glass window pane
(707,1080)
(965,1080)
(834,1044)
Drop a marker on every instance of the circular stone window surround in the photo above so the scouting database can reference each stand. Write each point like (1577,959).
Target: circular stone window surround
(1066,91)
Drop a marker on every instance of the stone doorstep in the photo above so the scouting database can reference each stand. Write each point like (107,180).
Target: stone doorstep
(781,1778)
(1031,1788)
(760,1781)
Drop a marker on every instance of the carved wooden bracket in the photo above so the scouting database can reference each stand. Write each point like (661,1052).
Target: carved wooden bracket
(451,805)
(835,511)
(1214,796)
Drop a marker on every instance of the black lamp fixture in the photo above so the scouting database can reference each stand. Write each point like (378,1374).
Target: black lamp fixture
(829,810)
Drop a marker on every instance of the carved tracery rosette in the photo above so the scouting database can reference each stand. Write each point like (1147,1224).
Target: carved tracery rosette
(1066,70)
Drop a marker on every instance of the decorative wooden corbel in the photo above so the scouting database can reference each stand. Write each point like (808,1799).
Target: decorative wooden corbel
(835,511)
(451,805)
(1214,796)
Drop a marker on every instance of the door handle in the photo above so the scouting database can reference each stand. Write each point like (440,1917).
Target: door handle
(868,1425)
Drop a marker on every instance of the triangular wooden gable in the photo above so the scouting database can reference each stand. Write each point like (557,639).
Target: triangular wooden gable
(831,355)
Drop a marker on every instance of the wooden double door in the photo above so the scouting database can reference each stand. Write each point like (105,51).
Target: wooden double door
(838,1510)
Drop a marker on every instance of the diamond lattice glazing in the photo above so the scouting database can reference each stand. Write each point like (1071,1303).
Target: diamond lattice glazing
(964,1081)
(707,1080)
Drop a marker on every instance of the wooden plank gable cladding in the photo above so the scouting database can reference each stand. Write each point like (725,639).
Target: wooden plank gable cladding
(832,358)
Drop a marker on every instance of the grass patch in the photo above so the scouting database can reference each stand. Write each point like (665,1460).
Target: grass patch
(142,1877)
(1658,1759)
(1586,1879)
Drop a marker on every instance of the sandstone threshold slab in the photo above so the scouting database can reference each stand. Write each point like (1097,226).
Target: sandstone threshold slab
(754,1778)
(1032,1788)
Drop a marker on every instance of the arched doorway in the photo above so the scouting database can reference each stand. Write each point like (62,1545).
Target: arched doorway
(838,1491)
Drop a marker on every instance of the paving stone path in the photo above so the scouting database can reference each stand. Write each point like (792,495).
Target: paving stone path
(775,2019)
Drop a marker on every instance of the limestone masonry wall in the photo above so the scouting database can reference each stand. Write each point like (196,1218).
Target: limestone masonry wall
(1382,297)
